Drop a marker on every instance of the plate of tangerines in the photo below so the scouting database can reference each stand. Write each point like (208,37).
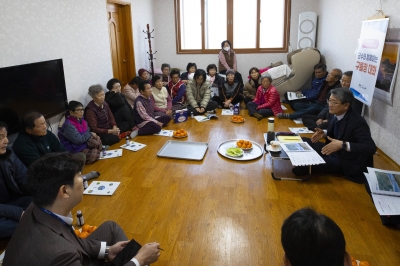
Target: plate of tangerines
(244,144)
(85,231)
(237,119)
(179,134)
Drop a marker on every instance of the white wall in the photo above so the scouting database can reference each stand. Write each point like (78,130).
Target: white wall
(165,37)
(339,29)
(74,30)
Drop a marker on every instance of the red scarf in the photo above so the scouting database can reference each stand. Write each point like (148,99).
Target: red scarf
(174,88)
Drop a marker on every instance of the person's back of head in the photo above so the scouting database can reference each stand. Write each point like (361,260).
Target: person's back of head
(312,239)
(49,173)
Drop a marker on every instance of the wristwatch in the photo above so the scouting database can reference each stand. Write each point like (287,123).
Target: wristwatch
(106,253)
(344,146)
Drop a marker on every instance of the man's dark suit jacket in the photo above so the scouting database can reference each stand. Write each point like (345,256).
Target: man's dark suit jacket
(355,130)
(41,239)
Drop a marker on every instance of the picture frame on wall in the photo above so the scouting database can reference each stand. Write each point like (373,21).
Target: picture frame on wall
(386,80)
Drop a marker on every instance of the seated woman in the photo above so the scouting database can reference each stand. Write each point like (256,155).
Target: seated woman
(147,123)
(229,91)
(267,101)
(131,90)
(165,78)
(100,118)
(198,94)
(250,88)
(160,98)
(75,134)
(144,75)
(177,91)
(14,190)
(190,68)
(121,109)
(227,61)
(215,79)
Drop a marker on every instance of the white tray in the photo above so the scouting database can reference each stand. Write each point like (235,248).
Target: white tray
(186,150)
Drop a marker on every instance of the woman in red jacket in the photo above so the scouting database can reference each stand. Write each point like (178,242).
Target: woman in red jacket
(267,101)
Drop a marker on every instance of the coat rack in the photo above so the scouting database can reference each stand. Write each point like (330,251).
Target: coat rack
(150,53)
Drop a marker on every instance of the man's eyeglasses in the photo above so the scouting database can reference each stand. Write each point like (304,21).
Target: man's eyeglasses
(332,102)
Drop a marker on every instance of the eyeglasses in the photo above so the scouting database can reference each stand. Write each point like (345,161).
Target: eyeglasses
(332,102)
(79,110)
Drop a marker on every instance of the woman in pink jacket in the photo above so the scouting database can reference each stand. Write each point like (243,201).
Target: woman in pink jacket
(267,101)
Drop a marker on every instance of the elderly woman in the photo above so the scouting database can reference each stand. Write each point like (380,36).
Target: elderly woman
(121,109)
(227,61)
(144,75)
(215,79)
(267,101)
(147,122)
(160,98)
(229,91)
(75,134)
(198,94)
(100,118)
(190,68)
(165,78)
(250,88)
(177,91)
(131,90)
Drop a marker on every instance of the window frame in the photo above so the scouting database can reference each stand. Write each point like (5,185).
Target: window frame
(283,49)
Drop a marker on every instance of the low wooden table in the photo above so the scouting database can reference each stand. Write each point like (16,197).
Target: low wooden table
(282,156)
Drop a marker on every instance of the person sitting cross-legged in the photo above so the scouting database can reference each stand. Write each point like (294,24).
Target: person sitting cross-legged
(311,94)
(349,147)
(229,91)
(45,235)
(266,102)
(147,123)
(314,107)
(14,191)
(198,94)
(75,134)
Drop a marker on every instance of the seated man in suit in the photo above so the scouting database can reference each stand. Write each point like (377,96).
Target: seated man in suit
(14,192)
(349,147)
(45,235)
(313,239)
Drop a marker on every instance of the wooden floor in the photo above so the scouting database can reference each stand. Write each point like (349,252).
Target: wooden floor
(224,212)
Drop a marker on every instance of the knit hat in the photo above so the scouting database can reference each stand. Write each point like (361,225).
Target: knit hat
(141,71)
(230,71)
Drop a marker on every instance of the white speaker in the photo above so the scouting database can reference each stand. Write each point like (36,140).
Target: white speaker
(307,29)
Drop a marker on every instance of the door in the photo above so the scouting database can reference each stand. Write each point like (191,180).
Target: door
(121,42)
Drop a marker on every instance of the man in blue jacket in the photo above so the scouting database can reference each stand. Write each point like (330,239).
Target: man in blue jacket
(311,94)
(14,197)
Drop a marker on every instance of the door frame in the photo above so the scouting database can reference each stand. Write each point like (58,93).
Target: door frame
(130,51)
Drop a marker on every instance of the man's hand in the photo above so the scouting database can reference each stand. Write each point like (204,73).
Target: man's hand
(319,121)
(148,254)
(202,110)
(332,147)
(319,134)
(116,248)
(198,109)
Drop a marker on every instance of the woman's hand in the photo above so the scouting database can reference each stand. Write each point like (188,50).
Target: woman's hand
(169,112)
(227,103)
(94,134)
(114,131)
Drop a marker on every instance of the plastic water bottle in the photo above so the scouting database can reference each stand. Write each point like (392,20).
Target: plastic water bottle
(104,151)
(85,182)
(271,121)
(79,217)
(191,115)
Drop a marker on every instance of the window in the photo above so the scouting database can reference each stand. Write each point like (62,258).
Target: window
(253,26)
